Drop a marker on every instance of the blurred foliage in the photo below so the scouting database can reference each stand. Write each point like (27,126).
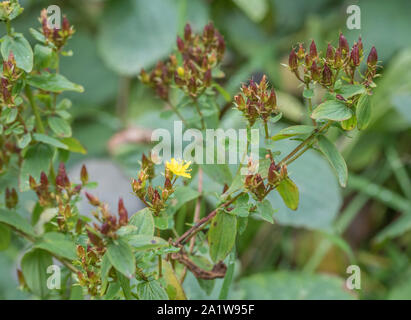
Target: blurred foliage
(368,223)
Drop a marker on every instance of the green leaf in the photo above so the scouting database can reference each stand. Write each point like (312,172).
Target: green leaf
(350,90)
(125,285)
(121,257)
(332,110)
(36,160)
(220,173)
(289,193)
(43,57)
(313,212)
(349,124)
(144,242)
(151,290)
(265,211)
(334,158)
(24,140)
(363,111)
(241,208)
(292,131)
(308,93)
(49,140)
(53,82)
(154,25)
(221,236)
(59,126)
(73,145)
(143,222)
(34,267)
(288,285)
(181,195)
(58,244)
(5,237)
(21,50)
(14,220)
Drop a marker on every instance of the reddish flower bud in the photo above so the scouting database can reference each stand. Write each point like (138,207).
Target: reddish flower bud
(62,179)
(180,44)
(239,101)
(208,31)
(122,213)
(65,24)
(301,52)
(327,75)
(207,78)
(313,50)
(95,239)
(272,173)
(44,181)
(292,60)
(32,183)
(355,56)
(94,201)
(340,97)
(84,175)
(343,44)
(372,57)
(187,32)
(329,55)
(338,62)
(315,72)
(11,198)
(360,46)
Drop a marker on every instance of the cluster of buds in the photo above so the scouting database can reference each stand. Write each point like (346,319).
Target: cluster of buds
(200,54)
(276,174)
(9,10)
(256,101)
(324,68)
(153,198)
(254,182)
(60,195)
(160,78)
(11,74)
(11,198)
(88,260)
(109,223)
(57,36)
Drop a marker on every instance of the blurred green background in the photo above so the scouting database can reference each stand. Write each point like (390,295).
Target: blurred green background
(306,253)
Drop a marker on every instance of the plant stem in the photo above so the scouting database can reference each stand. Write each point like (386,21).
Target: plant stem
(267,136)
(160,261)
(8,27)
(200,113)
(177,112)
(303,144)
(201,223)
(35,109)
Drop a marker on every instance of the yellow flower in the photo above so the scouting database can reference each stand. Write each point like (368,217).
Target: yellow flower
(179,168)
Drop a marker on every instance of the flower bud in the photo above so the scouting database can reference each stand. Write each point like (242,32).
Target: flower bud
(301,52)
(95,239)
(144,77)
(239,101)
(11,198)
(343,45)
(272,173)
(292,60)
(372,57)
(180,44)
(315,72)
(329,55)
(327,75)
(313,50)
(122,213)
(187,32)
(32,183)
(355,56)
(207,78)
(338,62)
(84,175)
(62,179)
(94,201)
(360,47)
